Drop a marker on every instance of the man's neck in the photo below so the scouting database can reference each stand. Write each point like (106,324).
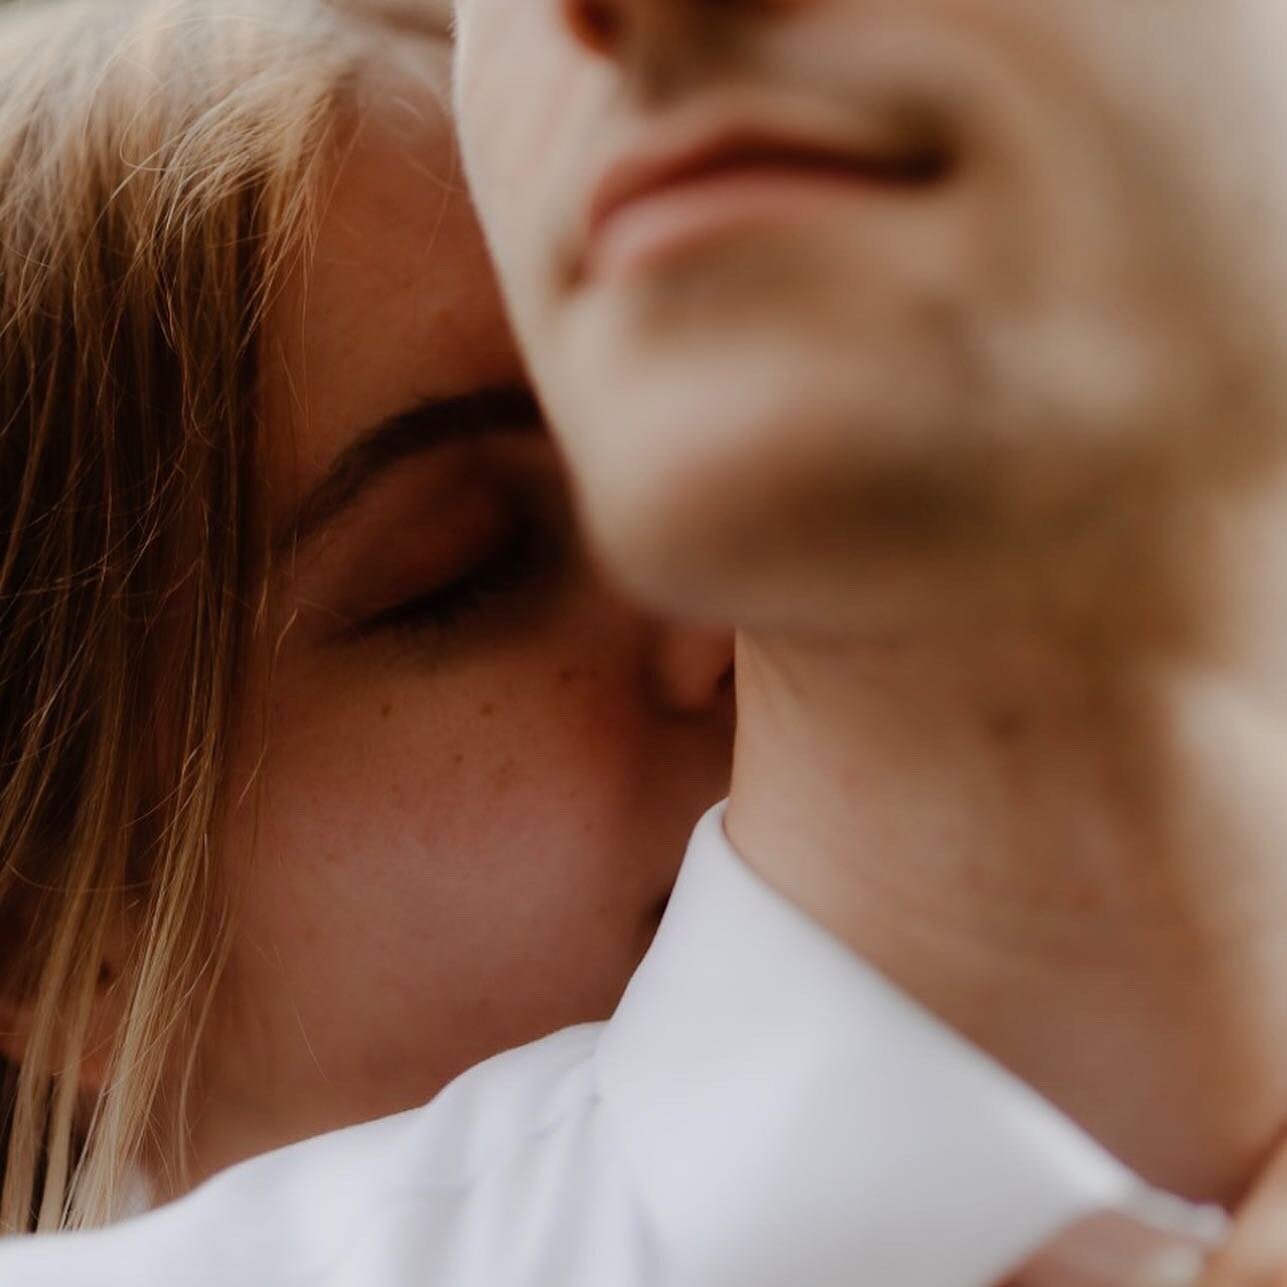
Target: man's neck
(1062,830)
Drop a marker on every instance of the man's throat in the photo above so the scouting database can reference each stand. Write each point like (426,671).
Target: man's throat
(1080,873)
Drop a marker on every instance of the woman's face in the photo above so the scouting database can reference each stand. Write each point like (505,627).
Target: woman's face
(465,771)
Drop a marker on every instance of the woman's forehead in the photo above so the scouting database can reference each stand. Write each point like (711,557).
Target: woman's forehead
(397,302)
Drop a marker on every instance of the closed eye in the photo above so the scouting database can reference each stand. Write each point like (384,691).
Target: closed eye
(503,573)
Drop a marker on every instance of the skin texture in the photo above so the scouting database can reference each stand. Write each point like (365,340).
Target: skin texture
(445,838)
(990,471)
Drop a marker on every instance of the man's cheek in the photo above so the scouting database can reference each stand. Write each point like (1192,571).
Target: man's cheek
(496,90)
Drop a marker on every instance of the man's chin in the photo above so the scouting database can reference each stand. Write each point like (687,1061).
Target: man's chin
(795,511)
(770,523)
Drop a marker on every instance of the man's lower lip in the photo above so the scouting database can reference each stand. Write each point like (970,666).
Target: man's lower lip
(702,210)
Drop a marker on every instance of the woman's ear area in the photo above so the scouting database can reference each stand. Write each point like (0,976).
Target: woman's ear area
(692,669)
(106,1013)
(20,1021)
(15,1029)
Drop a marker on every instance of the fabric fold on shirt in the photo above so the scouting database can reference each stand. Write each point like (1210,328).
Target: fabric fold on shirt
(866,1142)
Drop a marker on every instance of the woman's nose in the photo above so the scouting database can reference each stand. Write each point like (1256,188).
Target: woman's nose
(691,670)
(597,24)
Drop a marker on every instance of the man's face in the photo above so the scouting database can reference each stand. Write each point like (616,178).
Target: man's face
(816,284)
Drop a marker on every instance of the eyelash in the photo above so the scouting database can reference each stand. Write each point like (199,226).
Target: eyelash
(513,565)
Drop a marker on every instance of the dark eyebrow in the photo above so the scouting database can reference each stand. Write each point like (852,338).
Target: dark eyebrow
(424,427)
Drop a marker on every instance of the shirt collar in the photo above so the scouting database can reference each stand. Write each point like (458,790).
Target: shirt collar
(848,1130)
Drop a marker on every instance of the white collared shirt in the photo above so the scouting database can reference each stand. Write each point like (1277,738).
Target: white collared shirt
(763,1110)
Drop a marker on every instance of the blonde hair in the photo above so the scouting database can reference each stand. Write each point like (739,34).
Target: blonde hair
(159,168)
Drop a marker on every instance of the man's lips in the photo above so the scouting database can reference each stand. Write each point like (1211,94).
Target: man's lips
(751,171)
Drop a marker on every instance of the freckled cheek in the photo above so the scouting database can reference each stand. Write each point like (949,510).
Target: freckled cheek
(509,776)
(425,795)
(416,859)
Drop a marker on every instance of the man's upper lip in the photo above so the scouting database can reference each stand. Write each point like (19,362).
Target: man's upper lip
(893,158)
